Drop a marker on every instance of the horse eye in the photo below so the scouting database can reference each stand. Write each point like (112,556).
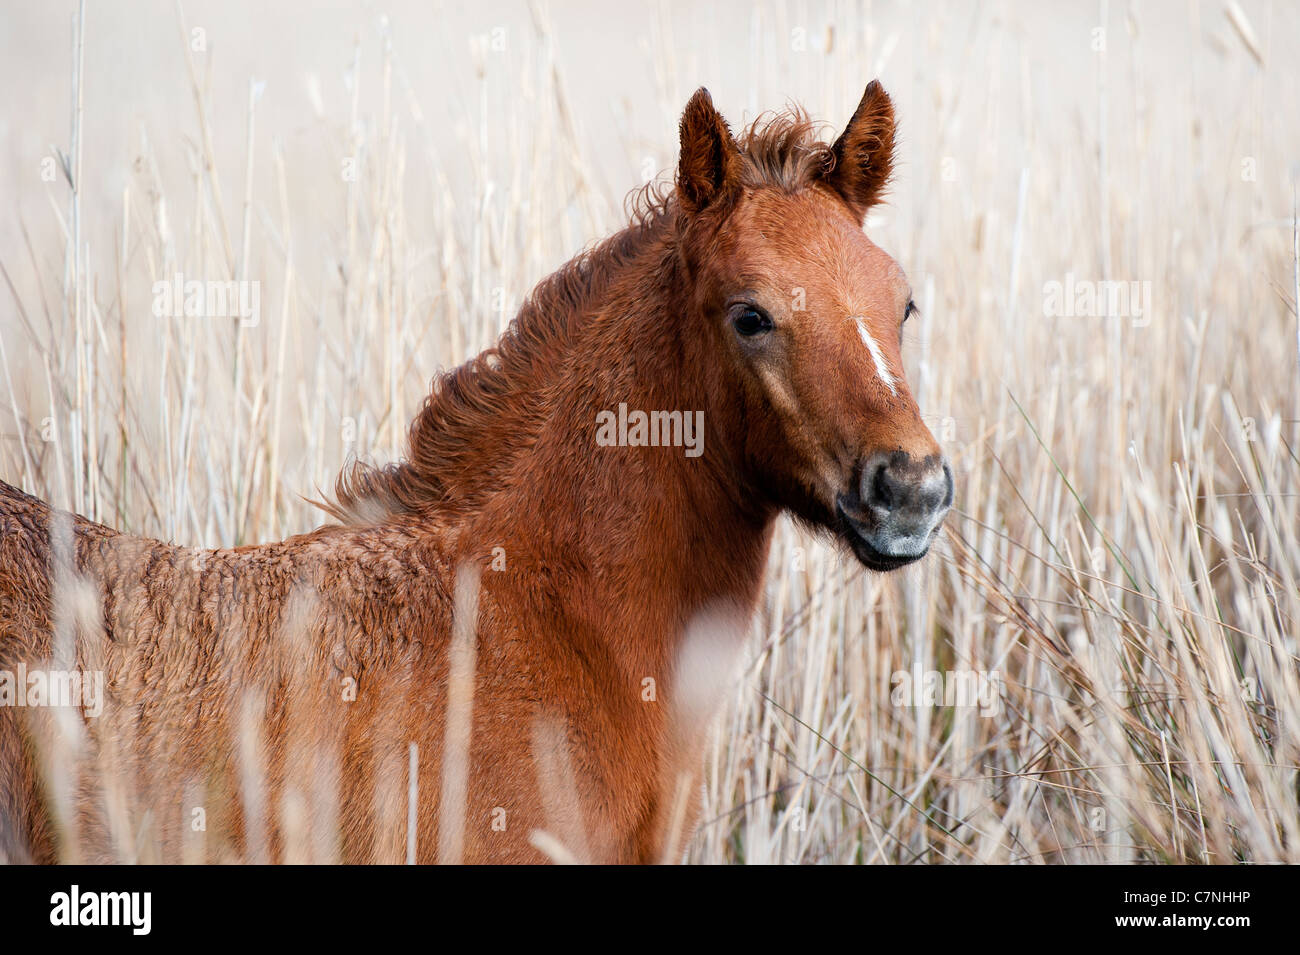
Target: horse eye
(910,310)
(749,320)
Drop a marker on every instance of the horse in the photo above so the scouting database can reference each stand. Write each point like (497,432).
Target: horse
(508,647)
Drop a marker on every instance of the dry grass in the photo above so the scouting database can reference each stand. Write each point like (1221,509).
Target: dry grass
(1126,548)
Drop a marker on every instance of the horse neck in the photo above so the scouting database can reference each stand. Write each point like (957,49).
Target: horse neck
(633,542)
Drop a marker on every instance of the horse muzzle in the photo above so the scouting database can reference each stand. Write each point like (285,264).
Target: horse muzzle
(896,506)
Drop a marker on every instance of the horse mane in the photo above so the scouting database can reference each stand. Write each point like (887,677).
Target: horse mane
(494,392)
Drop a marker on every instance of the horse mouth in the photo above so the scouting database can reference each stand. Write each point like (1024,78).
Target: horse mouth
(853,534)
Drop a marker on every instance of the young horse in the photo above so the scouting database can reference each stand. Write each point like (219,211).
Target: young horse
(510,646)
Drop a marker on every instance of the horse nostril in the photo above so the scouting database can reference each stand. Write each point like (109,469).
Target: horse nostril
(882,489)
(898,484)
(932,494)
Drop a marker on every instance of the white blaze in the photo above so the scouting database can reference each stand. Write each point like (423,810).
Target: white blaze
(882,368)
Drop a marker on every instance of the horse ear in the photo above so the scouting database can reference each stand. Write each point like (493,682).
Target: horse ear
(709,167)
(864,153)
